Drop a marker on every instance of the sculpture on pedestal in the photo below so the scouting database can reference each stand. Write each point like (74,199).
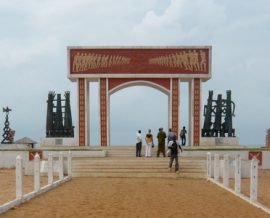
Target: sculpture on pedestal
(56,124)
(222,110)
(8,135)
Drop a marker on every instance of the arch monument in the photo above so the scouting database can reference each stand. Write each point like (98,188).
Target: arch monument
(162,68)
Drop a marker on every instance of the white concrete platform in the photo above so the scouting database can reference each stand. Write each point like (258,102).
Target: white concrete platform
(58,141)
(219,141)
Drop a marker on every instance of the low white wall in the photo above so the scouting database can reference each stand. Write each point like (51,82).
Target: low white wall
(8,158)
(265,160)
(203,153)
(232,153)
(245,168)
(76,153)
(29,168)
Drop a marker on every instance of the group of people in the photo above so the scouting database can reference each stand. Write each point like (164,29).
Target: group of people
(174,147)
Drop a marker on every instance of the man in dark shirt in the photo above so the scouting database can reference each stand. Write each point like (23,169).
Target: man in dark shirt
(161,142)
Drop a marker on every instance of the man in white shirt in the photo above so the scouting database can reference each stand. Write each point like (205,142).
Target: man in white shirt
(138,143)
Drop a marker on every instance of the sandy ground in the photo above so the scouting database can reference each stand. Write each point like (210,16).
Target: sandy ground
(118,197)
(263,187)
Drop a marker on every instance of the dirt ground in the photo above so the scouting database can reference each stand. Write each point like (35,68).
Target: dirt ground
(118,197)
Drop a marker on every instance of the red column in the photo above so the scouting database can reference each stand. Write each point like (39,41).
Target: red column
(197,112)
(82,123)
(103,112)
(175,104)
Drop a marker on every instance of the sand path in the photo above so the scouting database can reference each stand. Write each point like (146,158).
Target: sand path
(116,197)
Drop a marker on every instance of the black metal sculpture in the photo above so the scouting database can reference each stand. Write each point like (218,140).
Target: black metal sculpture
(206,131)
(221,110)
(56,125)
(8,135)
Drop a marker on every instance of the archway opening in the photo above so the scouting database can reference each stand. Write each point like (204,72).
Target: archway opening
(94,122)
(184,108)
(137,107)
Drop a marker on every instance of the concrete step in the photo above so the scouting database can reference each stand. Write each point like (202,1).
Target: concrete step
(125,151)
(141,175)
(134,165)
(129,167)
(124,164)
(138,159)
(142,162)
(136,170)
(75,167)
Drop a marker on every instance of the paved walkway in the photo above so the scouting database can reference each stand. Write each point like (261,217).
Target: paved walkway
(136,197)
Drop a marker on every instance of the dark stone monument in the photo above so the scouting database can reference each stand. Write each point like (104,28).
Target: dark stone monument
(58,125)
(218,116)
(8,135)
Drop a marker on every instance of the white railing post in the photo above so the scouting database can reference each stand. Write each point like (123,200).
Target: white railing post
(61,166)
(50,169)
(237,174)
(254,180)
(226,170)
(69,163)
(19,177)
(208,165)
(216,167)
(37,172)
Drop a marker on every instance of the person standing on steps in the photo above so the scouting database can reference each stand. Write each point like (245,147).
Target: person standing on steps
(149,143)
(161,142)
(170,135)
(175,151)
(138,143)
(183,133)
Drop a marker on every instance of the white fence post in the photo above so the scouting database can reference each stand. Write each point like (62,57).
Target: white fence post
(50,169)
(61,166)
(226,170)
(37,172)
(69,163)
(208,165)
(237,174)
(19,177)
(216,167)
(254,180)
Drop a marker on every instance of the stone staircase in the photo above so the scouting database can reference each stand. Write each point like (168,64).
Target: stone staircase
(121,163)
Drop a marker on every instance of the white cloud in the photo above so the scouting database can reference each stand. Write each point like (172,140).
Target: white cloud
(34,36)
(183,21)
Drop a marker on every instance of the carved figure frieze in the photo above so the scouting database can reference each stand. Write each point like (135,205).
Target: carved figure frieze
(192,60)
(86,61)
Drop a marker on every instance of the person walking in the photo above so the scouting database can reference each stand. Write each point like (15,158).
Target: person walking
(183,133)
(149,143)
(161,142)
(138,143)
(175,149)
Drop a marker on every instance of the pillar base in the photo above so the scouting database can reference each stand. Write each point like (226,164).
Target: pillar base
(219,141)
(53,142)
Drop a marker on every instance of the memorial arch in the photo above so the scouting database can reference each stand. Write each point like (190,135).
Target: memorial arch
(162,68)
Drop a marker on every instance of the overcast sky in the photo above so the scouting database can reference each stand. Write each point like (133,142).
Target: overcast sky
(33,58)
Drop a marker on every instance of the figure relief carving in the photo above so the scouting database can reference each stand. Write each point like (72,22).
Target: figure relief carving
(191,60)
(87,61)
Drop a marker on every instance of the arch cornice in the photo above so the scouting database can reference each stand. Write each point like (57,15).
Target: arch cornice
(121,84)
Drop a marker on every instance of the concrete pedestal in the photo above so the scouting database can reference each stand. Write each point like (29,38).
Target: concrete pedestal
(51,142)
(219,141)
